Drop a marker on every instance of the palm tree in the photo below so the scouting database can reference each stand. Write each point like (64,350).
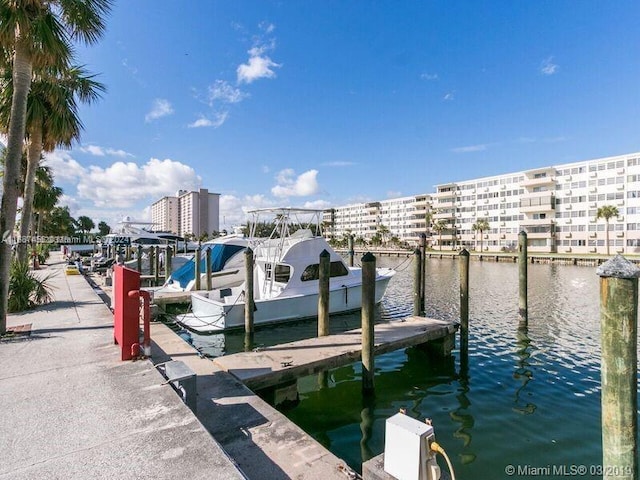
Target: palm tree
(52,120)
(103,228)
(384,233)
(606,212)
(85,224)
(439,227)
(37,34)
(45,195)
(481,226)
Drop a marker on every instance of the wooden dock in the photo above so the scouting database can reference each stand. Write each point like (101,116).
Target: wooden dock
(284,363)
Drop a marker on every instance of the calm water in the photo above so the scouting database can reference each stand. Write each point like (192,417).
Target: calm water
(529,396)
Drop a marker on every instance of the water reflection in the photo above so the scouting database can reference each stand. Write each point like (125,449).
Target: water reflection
(523,372)
(462,415)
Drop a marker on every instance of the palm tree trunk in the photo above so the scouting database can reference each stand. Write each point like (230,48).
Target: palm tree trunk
(481,240)
(607,232)
(33,160)
(22,69)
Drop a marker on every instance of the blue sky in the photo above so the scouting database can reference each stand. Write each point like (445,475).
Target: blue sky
(324,103)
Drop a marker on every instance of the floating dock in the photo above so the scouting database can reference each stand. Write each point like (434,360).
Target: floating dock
(284,363)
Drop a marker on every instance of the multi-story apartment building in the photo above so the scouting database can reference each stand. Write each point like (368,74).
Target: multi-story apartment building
(187,213)
(165,214)
(199,212)
(404,218)
(556,205)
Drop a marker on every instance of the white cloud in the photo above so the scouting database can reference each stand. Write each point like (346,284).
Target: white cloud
(122,185)
(224,92)
(317,204)
(160,108)
(64,167)
(219,119)
(448,97)
(256,68)
(265,169)
(471,148)
(338,164)
(267,27)
(547,67)
(394,194)
(67,201)
(429,76)
(259,64)
(233,209)
(102,152)
(304,185)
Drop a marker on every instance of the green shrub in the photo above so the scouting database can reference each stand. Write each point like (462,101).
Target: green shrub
(42,251)
(26,291)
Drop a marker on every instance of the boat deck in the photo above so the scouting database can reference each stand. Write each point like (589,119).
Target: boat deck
(280,364)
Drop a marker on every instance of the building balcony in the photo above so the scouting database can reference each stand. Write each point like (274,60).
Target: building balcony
(443,216)
(537,182)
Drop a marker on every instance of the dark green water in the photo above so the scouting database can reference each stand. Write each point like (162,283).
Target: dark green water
(524,396)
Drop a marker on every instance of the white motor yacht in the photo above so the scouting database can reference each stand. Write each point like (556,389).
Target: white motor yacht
(285,280)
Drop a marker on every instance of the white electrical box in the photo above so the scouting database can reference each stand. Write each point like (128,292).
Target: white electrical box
(406,447)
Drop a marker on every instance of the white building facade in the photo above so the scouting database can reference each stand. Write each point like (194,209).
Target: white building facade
(194,213)
(557,206)
(404,218)
(165,214)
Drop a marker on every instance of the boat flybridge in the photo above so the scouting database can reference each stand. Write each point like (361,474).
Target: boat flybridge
(285,277)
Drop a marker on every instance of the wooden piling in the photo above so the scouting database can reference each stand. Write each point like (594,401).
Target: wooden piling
(152,260)
(523,309)
(249,305)
(139,258)
(350,241)
(368,304)
(423,273)
(196,267)
(127,253)
(323,294)
(417,282)
(209,267)
(464,297)
(156,266)
(619,329)
(167,262)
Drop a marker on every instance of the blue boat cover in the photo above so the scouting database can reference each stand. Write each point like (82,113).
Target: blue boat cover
(220,254)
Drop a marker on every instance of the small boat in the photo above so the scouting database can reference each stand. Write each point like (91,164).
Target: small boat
(285,280)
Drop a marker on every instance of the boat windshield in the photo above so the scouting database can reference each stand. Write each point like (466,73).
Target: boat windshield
(220,255)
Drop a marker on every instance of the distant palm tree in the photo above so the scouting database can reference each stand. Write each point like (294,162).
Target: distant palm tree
(384,233)
(481,226)
(607,212)
(35,34)
(45,195)
(439,227)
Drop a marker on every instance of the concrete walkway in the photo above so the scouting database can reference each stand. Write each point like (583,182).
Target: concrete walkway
(72,410)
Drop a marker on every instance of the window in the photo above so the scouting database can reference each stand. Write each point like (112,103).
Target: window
(312,272)
(282,273)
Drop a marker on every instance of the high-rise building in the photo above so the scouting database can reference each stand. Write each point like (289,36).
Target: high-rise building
(188,213)
(165,214)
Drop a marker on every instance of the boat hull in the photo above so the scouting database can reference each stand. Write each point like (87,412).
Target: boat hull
(212,315)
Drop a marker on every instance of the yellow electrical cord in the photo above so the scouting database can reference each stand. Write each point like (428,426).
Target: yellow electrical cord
(435,446)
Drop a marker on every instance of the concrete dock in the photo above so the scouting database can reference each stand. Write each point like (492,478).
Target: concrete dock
(72,410)
(284,363)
